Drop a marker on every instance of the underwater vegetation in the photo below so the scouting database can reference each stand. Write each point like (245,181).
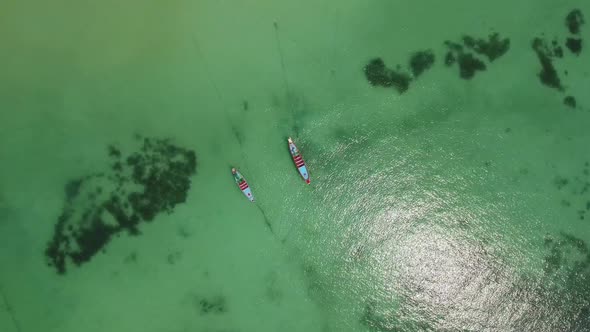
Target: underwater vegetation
(379,75)
(421,61)
(567,264)
(149,181)
(208,305)
(574,21)
(578,190)
(548,74)
(547,53)
(556,299)
(473,55)
(463,54)
(215,305)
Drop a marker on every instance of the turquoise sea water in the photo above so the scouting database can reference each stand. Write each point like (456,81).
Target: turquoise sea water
(461,204)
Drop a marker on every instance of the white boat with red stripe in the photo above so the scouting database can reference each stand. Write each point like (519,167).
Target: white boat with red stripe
(242,184)
(298,160)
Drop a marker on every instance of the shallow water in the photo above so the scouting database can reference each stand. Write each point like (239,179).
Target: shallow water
(459,204)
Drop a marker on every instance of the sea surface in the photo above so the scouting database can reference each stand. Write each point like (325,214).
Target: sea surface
(448,144)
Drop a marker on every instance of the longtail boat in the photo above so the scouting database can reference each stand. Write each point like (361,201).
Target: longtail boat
(242,184)
(298,160)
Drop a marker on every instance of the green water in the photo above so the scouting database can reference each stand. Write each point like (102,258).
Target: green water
(458,205)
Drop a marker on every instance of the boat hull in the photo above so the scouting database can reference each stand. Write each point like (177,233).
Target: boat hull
(298,161)
(245,188)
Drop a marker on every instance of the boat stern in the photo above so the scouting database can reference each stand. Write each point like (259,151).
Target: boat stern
(304,174)
(248,193)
